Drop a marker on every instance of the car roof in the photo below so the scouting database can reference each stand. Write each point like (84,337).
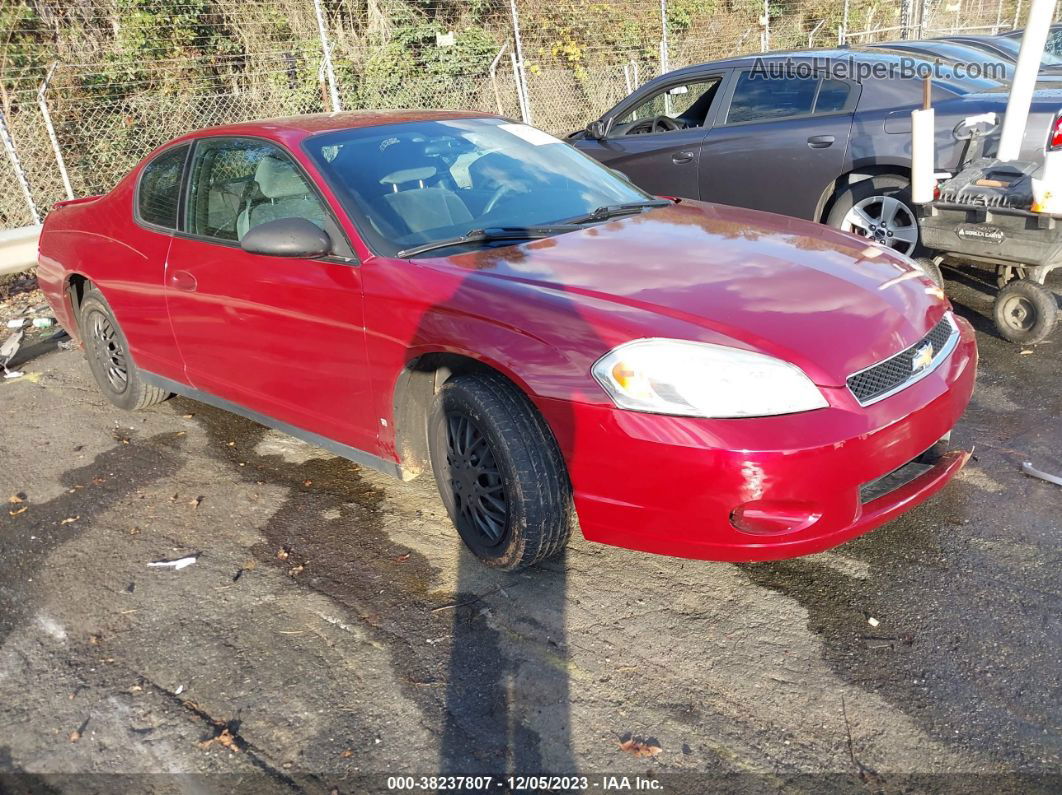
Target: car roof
(858,52)
(295,128)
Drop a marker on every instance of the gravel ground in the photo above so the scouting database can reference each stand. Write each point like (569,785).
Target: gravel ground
(333,632)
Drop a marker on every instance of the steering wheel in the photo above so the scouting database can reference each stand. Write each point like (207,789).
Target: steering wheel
(654,125)
(502,190)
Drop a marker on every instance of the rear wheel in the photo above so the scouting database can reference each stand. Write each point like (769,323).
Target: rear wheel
(499,472)
(879,209)
(1025,312)
(108,356)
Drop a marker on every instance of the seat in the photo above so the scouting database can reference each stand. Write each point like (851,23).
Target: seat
(285,195)
(427,208)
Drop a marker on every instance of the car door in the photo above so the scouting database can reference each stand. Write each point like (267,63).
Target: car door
(280,336)
(661,161)
(780,142)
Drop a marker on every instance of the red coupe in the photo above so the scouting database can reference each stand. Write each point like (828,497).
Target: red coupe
(460,293)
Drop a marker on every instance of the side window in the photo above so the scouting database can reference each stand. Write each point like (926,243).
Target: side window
(160,188)
(833,96)
(687,104)
(760,98)
(239,183)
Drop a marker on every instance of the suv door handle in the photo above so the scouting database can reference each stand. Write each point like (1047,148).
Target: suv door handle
(682,157)
(820,141)
(183,280)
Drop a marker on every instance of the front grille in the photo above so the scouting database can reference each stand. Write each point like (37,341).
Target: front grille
(893,374)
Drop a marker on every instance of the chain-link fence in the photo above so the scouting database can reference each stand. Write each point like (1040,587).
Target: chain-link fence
(87,87)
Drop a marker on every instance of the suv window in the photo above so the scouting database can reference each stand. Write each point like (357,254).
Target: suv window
(687,104)
(160,187)
(239,183)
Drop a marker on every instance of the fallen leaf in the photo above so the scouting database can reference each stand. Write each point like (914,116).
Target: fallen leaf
(295,570)
(1025,352)
(75,735)
(282,553)
(402,558)
(307,483)
(134,531)
(640,749)
(14,499)
(194,502)
(347,754)
(70,520)
(23,509)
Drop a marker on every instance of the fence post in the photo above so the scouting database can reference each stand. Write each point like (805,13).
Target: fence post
(765,24)
(42,103)
(326,53)
(664,55)
(1017,15)
(518,64)
(842,33)
(12,155)
(906,21)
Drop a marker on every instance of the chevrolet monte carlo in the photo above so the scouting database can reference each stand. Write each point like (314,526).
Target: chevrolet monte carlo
(458,294)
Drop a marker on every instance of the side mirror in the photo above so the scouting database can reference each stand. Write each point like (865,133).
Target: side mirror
(288,237)
(599,130)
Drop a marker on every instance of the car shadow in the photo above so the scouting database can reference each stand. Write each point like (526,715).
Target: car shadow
(508,702)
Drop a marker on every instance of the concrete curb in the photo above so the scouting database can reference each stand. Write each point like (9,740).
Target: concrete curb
(18,249)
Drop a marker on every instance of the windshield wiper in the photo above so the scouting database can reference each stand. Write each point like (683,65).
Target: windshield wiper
(616,210)
(490,235)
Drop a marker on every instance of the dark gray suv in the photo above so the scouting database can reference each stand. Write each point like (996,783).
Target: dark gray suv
(816,134)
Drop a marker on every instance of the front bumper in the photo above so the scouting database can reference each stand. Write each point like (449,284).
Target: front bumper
(671,485)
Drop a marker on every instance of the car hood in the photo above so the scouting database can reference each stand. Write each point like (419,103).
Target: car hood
(801,291)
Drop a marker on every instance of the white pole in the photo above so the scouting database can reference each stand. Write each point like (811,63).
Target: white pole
(12,155)
(326,52)
(42,103)
(1022,86)
(521,76)
(664,55)
(1017,14)
(842,33)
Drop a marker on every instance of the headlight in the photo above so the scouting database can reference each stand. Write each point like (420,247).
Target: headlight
(698,379)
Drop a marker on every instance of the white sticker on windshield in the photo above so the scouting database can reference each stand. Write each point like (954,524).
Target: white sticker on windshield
(530,134)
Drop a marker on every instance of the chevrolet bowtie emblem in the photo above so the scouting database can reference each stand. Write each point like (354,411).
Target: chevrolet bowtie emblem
(923,357)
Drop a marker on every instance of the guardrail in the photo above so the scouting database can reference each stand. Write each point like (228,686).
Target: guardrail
(18,249)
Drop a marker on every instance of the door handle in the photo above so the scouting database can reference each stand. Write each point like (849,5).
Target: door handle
(820,141)
(183,280)
(682,157)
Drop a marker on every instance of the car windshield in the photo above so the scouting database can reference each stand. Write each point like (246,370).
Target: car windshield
(1013,47)
(415,183)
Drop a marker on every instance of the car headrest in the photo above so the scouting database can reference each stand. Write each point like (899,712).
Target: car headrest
(278,178)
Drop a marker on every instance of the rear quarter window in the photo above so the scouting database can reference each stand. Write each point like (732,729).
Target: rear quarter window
(158,193)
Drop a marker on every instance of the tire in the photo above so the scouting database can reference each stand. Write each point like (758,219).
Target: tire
(874,197)
(107,351)
(930,269)
(1025,312)
(487,439)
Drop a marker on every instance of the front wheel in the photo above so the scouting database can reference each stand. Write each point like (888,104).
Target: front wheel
(1025,312)
(879,209)
(499,472)
(931,269)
